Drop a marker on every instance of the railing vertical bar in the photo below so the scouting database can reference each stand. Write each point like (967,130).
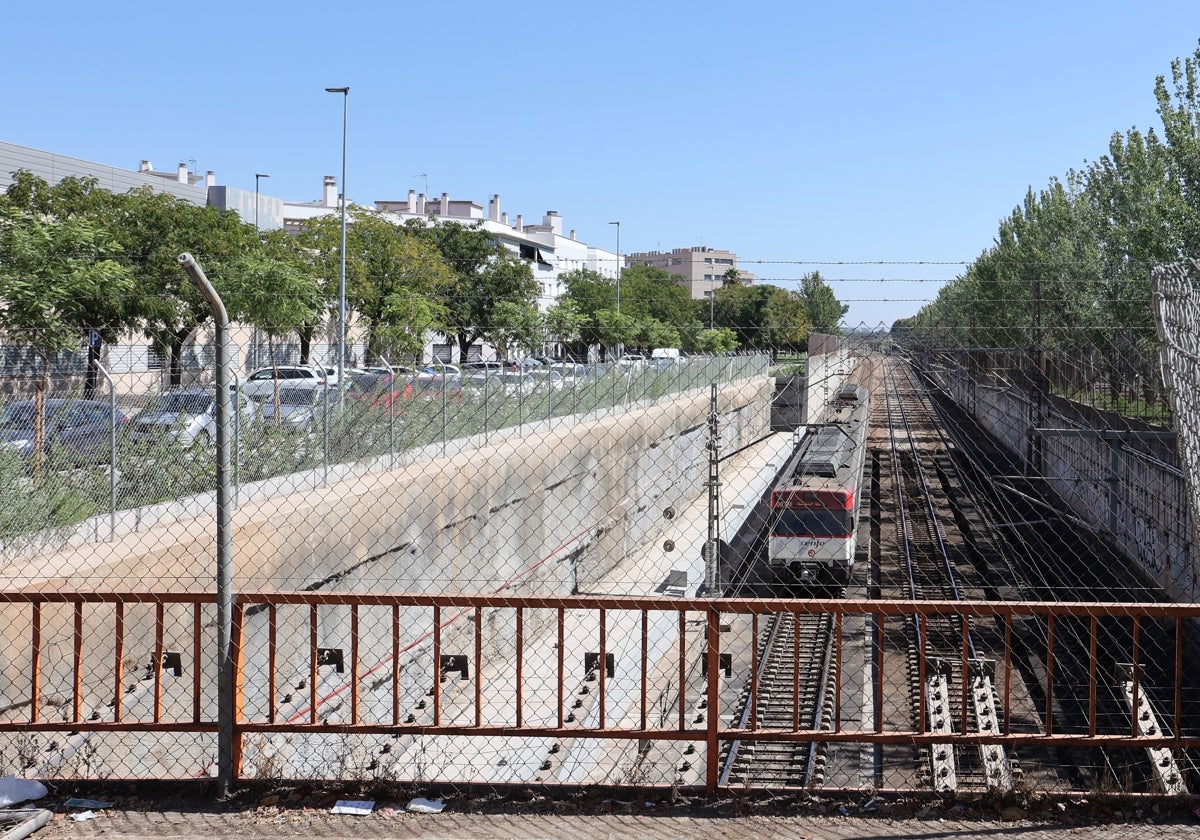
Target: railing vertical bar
(603,666)
(922,675)
(479,669)
(796,671)
(272,660)
(837,672)
(437,666)
(645,654)
(312,664)
(682,667)
(354,663)
(237,650)
(197,652)
(754,669)
(712,744)
(157,665)
(77,664)
(35,662)
(1136,667)
(1093,646)
(1008,620)
(118,660)
(520,687)
(561,663)
(1179,676)
(396,665)
(878,676)
(1049,673)
(966,674)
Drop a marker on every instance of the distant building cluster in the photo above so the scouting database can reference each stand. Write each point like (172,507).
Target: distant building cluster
(550,250)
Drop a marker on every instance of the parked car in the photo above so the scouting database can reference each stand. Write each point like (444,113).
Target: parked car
(631,362)
(300,406)
(260,384)
(375,387)
(80,429)
(189,415)
(439,369)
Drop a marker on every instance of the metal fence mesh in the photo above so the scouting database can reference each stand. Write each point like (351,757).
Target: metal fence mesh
(510,576)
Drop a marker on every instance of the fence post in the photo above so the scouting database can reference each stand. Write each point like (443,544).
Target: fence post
(712,742)
(391,410)
(112,450)
(226,699)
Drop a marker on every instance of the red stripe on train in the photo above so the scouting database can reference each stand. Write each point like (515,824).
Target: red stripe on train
(794,498)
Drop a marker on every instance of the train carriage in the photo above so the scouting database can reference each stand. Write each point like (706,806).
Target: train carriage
(815,506)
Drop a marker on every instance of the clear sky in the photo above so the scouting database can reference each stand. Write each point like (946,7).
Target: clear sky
(849,138)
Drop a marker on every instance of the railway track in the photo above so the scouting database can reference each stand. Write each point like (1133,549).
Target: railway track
(1038,559)
(789,690)
(950,678)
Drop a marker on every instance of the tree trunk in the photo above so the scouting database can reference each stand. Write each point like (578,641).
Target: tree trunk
(175,363)
(306,337)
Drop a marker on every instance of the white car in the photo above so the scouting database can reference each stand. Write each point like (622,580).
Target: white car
(260,385)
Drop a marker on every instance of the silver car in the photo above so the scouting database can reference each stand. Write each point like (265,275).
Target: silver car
(300,407)
(188,415)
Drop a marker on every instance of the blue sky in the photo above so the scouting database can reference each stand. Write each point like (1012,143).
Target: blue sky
(845,138)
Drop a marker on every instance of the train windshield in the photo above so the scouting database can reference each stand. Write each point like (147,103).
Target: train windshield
(814,523)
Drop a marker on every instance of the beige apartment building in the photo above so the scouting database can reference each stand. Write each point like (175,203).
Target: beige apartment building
(700,269)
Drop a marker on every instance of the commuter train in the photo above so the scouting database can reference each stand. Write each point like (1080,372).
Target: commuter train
(816,502)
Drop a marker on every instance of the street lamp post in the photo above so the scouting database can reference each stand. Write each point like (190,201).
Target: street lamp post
(258,176)
(341,356)
(618,224)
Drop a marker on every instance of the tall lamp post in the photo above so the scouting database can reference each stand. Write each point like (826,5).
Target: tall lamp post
(258,176)
(341,356)
(618,224)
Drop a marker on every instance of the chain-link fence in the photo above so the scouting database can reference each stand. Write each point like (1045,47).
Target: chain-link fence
(921,559)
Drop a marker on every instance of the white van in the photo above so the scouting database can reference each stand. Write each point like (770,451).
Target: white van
(670,354)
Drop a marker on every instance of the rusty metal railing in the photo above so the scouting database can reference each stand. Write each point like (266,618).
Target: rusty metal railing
(367,661)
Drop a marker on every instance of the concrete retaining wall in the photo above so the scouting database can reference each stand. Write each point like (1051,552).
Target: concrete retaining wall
(548,510)
(1128,488)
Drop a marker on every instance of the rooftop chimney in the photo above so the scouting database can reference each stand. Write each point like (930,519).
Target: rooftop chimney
(445,208)
(572,233)
(494,208)
(553,221)
(146,166)
(503,218)
(329,192)
(412,202)
(210,178)
(182,177)
(520,225)
(421,204)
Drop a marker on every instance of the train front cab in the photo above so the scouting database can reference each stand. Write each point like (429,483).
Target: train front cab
(813,535)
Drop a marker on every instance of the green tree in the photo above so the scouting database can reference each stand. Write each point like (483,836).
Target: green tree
(394,280)
(78,200)
(825,311)
(716,341)
(516,329)
(564,322)
(56,274)
(154,229)
(483,275)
